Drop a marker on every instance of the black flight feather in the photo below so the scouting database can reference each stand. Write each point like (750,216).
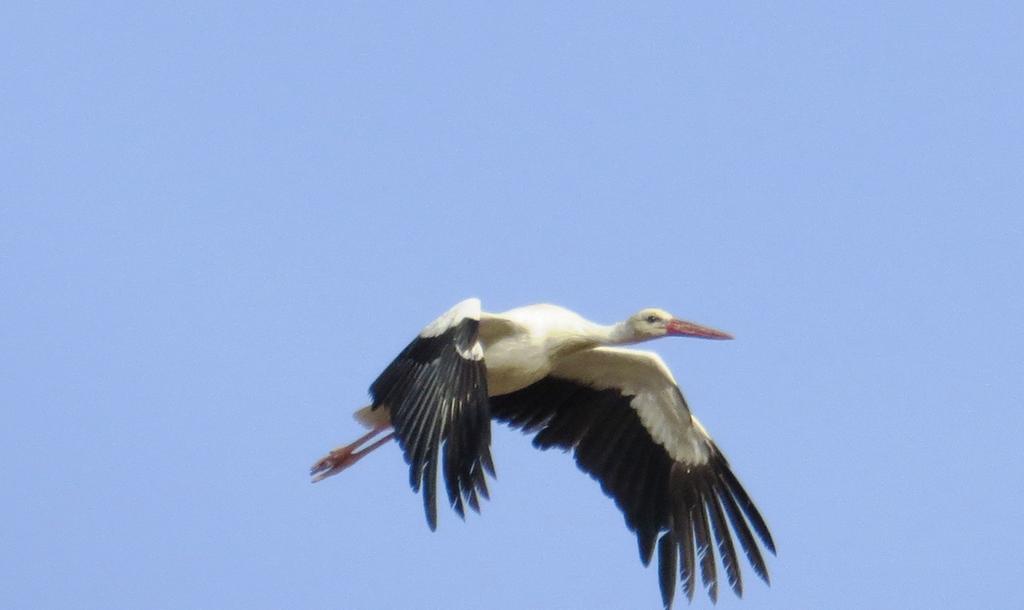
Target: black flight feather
(683,510)
(436,390)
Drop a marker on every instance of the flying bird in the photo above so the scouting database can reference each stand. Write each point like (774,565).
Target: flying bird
(552,373)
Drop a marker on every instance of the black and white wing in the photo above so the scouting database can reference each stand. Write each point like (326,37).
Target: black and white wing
(436,390)
(630,428)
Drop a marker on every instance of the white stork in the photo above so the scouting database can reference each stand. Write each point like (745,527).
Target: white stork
(546,370)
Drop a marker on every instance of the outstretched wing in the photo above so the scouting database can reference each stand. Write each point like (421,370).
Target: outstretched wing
(436,390)
(630,428)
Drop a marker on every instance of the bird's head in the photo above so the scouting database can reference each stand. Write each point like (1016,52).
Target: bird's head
(653,323)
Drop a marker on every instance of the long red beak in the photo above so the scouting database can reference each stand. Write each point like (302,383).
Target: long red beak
(682,328)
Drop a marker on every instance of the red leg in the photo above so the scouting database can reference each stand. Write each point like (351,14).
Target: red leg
(343,457)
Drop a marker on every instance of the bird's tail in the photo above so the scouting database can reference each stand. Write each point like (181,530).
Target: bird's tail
(372,418)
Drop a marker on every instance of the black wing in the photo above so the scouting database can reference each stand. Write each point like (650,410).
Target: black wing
(436,390)
(682,506)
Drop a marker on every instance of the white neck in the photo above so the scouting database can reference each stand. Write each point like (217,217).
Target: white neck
(615,334)
(587,336)
(622,334)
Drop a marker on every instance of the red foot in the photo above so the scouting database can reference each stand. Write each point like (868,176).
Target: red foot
(343,457)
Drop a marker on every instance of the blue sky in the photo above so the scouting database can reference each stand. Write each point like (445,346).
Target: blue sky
(218,222)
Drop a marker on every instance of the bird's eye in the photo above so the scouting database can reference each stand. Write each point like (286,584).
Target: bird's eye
(652,319)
